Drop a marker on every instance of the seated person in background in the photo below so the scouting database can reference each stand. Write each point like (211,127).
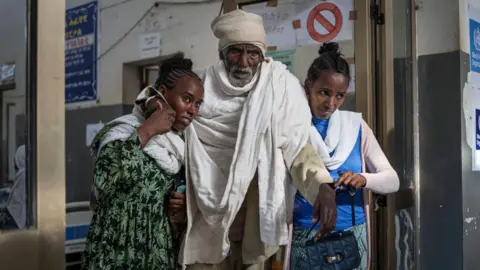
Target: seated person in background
(13,209)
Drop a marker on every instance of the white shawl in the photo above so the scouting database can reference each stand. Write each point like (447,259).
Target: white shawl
(228,144)
(166,149)
(342,134)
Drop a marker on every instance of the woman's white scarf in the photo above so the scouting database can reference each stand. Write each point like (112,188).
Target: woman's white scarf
(167,149)
(342,134)
(225,149)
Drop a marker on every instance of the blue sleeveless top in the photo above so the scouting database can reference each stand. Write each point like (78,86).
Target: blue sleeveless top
(302,212)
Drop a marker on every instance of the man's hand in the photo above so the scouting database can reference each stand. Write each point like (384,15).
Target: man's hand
(325,209)
(177,207)
(179,217)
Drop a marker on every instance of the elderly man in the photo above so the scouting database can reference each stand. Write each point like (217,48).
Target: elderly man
(249,138)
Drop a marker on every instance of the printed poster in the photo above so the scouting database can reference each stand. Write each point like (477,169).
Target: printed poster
(472,105)
(81,53)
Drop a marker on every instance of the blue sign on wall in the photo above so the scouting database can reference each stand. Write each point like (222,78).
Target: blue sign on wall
(81,53)
(474,46)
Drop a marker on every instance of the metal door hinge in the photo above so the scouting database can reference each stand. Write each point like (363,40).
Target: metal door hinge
(377,16)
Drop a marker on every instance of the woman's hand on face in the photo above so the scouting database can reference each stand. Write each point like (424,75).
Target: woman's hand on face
(351,179)
(159,122)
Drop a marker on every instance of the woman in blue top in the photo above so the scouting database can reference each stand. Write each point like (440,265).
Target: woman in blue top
(346,145)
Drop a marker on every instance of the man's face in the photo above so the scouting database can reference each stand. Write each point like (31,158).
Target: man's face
(241,62)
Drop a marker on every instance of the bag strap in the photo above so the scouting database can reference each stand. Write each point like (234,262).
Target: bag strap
(352,192)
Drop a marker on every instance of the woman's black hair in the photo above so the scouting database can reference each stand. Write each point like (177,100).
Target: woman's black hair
(172,70)
(330,59)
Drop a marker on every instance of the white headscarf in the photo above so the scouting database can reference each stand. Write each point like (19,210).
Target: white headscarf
(238,27)
(342,134)
(20,160)
(17,205)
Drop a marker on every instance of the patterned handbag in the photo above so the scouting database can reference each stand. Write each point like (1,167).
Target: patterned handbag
(334,251)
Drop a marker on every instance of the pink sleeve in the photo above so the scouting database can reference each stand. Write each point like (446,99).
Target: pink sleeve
(381,177)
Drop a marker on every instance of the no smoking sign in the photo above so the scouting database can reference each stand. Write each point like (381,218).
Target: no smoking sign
(305,23)
(320,25)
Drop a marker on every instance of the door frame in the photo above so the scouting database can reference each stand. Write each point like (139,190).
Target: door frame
(42,245)
(386,124)
(364,88)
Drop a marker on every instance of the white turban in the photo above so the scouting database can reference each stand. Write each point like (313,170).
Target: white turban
(240,27)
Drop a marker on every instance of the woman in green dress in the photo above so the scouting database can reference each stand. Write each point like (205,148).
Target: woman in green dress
(138,157)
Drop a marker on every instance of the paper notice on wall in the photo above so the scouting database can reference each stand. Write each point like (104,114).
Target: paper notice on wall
(278,24)
(467,111)
(322,21)
(149,45)
(91,132)
(471,109)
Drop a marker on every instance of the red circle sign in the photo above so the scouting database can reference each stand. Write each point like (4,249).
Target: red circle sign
(332,29)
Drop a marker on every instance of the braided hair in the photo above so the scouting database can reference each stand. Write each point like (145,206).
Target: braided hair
(330,59)
(172,70)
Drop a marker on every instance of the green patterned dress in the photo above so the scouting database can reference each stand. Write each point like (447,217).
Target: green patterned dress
(130,228)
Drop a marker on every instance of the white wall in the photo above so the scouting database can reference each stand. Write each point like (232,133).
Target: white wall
(463,21)
(305,55)
(183,27)
(438,26)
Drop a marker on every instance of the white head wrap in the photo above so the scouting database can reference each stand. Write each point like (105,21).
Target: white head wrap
(239,27)
(20,158)
(18,196)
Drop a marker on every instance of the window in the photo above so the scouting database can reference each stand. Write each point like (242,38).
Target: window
(149,75)
(15,175)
